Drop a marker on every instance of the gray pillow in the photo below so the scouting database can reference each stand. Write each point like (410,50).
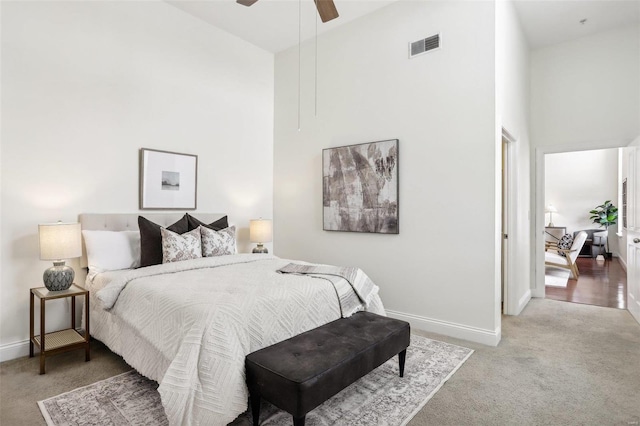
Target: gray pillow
(216,226)
(151,239)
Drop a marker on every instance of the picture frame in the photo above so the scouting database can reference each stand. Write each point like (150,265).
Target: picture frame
(168,180)
(360,188)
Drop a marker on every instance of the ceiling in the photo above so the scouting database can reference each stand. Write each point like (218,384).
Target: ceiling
(273,24)
(547,22)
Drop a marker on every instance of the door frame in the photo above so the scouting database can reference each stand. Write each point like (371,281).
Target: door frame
(508,258)
(633,232)
(538,197)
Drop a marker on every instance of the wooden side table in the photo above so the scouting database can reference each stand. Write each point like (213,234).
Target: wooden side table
(63,340)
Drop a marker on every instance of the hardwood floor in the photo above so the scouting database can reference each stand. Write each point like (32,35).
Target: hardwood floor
(600,284)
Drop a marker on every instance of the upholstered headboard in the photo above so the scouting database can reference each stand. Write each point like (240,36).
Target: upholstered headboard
(129,222)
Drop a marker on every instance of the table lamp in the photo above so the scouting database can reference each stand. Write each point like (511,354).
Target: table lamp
(59,241)
(260,231)
(551,210)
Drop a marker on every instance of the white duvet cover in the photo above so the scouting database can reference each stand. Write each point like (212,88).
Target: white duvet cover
(189,325)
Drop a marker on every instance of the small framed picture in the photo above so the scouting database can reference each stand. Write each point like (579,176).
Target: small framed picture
(168,180)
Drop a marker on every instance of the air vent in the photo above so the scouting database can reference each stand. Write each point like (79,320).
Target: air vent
(425,45)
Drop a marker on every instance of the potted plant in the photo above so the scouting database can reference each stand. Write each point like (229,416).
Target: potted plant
(605,215)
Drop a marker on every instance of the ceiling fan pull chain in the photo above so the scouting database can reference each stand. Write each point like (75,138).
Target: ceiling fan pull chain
(315,96)
(299,58)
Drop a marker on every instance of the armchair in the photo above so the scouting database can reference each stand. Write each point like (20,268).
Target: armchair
(552,258)
(594,244)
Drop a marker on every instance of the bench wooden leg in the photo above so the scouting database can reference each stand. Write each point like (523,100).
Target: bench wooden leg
(255,406)
(298,421)
(401,357)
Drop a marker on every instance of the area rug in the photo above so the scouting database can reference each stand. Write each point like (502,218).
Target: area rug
(556,277)
(380,398)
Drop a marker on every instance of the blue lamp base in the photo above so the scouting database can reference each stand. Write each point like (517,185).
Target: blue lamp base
(58,277)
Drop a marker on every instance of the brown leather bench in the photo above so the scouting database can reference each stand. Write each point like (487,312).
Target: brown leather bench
(302,372)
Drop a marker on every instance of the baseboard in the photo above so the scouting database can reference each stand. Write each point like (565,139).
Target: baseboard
(14,350)
(523,301)
(473,334)
(622,263)
(538,292)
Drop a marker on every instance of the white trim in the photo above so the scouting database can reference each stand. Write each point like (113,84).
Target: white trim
(460,331)
(14,350)
(510,306)
(508,136)
(535,292)
(538,289)
(523,301)
(623,263)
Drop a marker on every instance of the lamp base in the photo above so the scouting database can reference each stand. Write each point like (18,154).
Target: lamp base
(550,225)
(58,277)
(260,249)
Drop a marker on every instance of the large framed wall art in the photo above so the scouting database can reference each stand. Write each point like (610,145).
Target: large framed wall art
(360,188)
(168,180)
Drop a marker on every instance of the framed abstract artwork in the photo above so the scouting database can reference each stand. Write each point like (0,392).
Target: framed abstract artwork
(360,188)
(168,180)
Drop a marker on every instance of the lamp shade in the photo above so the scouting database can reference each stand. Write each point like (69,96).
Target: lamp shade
(60,241)
(260,231)
(550,209)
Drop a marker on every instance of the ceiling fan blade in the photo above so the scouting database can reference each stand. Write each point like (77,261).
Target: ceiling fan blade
(326,9)
(246,2)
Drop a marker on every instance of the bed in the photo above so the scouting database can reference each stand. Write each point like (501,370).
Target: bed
(189,325)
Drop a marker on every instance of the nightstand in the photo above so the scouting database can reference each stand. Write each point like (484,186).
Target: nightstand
(63,340)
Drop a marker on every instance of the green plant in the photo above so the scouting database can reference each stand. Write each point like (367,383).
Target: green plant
(605,214)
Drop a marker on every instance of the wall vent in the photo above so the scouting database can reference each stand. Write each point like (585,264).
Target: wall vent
(425,45)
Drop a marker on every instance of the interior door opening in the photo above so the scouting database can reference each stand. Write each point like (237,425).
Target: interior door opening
(576,183)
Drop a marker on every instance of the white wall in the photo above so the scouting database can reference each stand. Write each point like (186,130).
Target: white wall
(512,106)
(85,85)
(440,271)
(584,95)
(577,182)
(586,90)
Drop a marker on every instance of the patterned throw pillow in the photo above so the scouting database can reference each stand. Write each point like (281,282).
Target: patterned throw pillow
(176,247)
(565,243)
(218,243)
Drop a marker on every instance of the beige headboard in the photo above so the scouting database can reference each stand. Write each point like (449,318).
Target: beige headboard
(129,222)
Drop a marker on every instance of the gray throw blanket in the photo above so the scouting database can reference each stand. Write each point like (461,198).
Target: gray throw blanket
(354,288)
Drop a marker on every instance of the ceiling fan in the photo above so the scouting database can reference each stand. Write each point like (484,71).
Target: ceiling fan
(326,9)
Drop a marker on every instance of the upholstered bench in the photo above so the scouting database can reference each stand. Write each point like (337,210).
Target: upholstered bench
(302,372)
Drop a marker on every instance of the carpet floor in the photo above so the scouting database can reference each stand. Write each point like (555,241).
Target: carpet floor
(558,364)
(381,397)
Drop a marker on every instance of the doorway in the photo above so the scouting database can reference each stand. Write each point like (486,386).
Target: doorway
(575,183)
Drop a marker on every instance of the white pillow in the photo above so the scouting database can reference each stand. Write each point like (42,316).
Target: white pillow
(111,250)
(218,243)
(178,247)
